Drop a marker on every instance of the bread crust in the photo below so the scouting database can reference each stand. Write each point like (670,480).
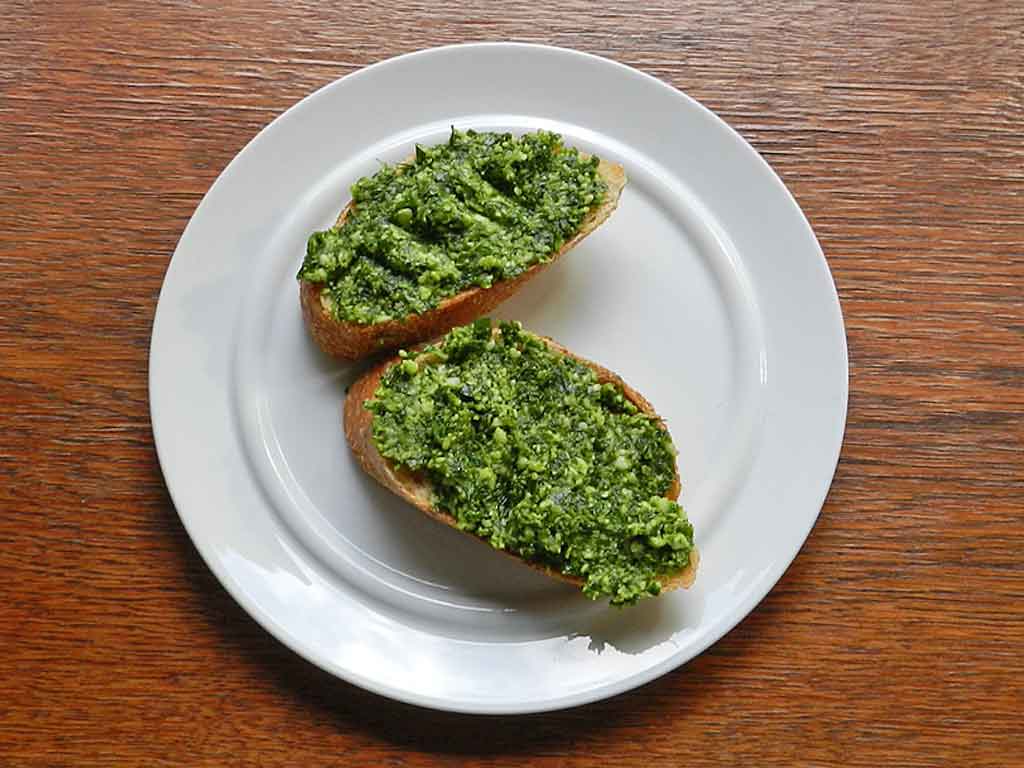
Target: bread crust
(416,490)
(353,341)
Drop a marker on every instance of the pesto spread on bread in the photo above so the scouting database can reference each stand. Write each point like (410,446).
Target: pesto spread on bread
(524,447)
(480,208)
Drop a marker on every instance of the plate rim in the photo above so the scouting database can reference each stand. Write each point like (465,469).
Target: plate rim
(732,617)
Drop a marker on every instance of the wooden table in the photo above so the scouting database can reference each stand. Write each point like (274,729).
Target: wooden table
(897,636)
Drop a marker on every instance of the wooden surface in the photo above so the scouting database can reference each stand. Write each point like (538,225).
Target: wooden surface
(896,636)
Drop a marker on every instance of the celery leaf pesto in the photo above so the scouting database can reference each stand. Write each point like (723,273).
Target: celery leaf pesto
(481,208)
(525,448)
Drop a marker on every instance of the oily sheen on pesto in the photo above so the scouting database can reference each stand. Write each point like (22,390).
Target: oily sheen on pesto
(478,209)
(525,448)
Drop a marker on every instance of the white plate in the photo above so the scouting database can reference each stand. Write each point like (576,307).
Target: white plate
(706,290)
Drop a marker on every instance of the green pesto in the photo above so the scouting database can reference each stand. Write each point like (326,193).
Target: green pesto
(480,208)
(526,449)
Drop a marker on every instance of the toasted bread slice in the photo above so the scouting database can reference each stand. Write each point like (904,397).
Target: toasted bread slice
(358,423)
(352,341)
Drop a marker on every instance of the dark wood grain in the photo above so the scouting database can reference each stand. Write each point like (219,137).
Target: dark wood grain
(897,636)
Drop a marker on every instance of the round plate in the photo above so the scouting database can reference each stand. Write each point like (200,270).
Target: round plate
(706,291)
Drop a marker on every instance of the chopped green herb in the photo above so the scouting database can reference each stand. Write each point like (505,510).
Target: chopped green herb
(480,208)
(525,448)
